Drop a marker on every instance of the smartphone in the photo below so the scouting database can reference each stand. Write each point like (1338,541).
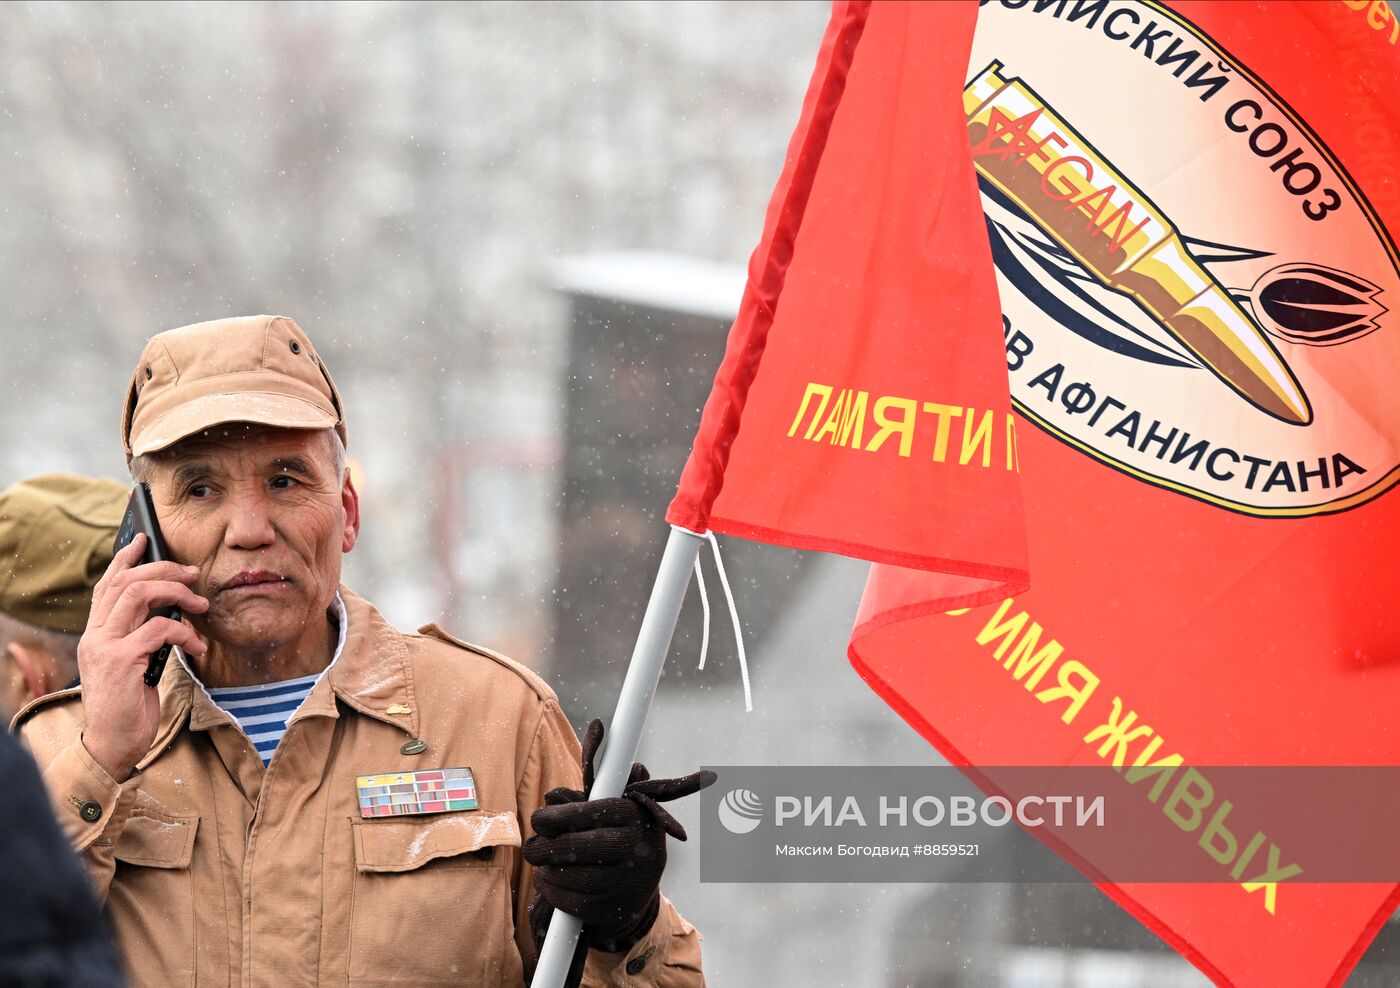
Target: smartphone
(141,517)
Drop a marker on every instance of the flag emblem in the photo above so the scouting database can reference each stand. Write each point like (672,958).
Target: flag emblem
(411,793)
(1203,260)
(1197,304)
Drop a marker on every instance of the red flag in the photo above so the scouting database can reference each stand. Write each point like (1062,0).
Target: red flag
(866,361)
(1190,232)
(1187,205)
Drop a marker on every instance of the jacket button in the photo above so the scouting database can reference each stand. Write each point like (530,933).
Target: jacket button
(415,747)
(635,965)
(90,811)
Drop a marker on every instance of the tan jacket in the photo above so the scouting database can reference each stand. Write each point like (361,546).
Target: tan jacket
(218,872)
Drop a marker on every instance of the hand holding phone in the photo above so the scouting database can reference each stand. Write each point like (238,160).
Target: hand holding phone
(128,636)
(141,517)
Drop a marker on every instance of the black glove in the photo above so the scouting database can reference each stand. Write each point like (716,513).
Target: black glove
(602,860)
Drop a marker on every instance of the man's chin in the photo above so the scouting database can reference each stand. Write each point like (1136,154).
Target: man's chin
(255,622)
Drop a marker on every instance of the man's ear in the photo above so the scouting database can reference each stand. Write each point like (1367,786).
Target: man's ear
(350,500)
(34,667)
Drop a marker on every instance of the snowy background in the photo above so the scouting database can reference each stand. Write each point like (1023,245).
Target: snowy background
(516,234)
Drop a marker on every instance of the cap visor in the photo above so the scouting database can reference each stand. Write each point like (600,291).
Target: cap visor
(260,408)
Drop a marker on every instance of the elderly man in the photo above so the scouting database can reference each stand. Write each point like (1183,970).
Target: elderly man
(314,797)
(55,542)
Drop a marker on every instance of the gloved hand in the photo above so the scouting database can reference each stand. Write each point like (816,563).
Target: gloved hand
(602,860)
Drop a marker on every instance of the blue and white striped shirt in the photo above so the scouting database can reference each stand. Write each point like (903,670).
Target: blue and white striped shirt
(264,710)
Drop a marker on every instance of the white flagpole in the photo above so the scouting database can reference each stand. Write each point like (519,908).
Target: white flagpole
(624,734)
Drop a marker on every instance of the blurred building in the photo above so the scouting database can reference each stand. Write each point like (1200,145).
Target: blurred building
(646,334)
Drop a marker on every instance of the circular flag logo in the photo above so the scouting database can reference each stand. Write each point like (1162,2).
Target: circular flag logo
(1194,291)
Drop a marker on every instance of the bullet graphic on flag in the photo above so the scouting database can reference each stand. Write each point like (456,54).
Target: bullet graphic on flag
(1055,175)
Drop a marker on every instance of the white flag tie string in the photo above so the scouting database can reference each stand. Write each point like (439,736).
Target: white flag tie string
(733,617)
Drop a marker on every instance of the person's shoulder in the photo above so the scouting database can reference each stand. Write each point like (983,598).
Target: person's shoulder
(51,711)
(437,645)
(444,669)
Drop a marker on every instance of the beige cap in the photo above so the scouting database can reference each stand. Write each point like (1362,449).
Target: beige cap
(259,369)
(56,535)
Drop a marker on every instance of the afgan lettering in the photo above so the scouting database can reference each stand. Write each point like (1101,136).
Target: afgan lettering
(1068,180)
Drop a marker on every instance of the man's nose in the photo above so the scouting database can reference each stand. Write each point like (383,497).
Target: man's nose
(249,524)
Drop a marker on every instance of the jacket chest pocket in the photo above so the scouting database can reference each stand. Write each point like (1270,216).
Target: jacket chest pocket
(431,903)
(151,900)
